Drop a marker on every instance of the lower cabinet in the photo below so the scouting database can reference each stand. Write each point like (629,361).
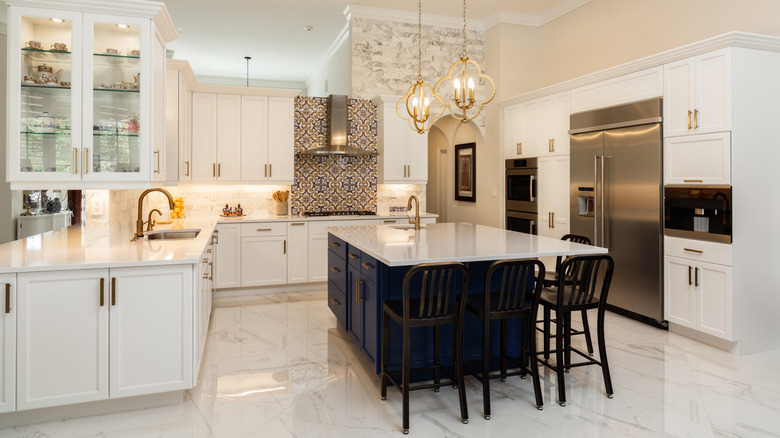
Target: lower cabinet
(362,319)
(228,249)
(204,278)
(86,335)
(318,266)
(7,342)
(297,252)
(263,260)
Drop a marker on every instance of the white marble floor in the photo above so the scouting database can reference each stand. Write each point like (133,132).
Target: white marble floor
(281,368)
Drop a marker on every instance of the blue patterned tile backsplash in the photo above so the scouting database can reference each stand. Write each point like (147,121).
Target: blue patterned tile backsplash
(333,183)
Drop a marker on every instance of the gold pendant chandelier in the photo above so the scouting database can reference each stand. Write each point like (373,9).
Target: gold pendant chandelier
(463,71)
(418,99)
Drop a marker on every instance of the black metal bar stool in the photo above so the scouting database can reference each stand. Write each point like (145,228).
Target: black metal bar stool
(434,306)
(515,295)
(551,280)
(584,287)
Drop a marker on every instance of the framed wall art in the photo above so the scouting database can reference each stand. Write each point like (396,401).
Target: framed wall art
(465,172)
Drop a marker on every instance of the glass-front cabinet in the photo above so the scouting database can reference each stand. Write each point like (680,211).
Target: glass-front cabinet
(84,93)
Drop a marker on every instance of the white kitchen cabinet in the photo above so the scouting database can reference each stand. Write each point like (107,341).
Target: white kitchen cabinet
(228,137)
(164,159)
(100,119)
(178,118)
(263,260)
(204,278)
(554,113)
(151,330)
(7,342)
(267,140)
(185,131)
(538,127)
(510,130)
(697,94)
(698,289)
(297,252)
(227,272)
(698,159)
(62,337)
(204,136)
(281,139)
(318,260)
(553,199)
(528,145)
(403,153)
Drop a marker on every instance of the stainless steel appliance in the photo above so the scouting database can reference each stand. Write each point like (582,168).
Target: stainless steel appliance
(616,199)
(701,212)
(521,206)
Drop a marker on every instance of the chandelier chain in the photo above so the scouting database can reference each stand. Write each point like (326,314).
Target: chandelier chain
(419,40)
(463,54)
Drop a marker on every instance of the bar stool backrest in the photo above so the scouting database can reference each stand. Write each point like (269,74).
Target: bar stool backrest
(587,281)
(437,284)
(519,285)
(573,238)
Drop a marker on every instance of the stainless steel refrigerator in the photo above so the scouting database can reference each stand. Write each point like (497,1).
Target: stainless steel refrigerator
(617,199)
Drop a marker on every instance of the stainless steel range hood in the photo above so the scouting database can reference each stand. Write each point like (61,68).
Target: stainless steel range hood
(337,143)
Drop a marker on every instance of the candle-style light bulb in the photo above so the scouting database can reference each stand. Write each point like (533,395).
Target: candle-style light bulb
(457,90)
(471,88)
(426,107)
(414,107)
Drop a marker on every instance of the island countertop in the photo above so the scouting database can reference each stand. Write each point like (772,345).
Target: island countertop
(461,241)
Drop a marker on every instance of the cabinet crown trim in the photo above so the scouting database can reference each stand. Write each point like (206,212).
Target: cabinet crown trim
(730,39)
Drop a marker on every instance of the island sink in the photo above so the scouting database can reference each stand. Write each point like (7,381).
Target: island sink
(172,234)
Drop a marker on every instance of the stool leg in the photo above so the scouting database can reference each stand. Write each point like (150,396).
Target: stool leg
(586,329)
(385,353)
(486,366)
(458,360)
(559,361)
(603,354)
(405,378)
(504,330)
(566,339)
(436,356)
(546,333)
(531,345)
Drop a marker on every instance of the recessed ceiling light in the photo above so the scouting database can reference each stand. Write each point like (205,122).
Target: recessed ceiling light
(57,20)
(308,28)
(123,26)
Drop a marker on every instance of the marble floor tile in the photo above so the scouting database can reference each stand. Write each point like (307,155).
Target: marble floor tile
(280,366)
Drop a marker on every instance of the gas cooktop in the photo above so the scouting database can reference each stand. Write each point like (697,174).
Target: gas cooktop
(339,213)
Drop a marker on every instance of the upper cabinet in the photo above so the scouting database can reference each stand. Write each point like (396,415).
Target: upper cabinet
(403,153)
(538,127)
(178,118)
(242,136)
(697,94)
(86,90)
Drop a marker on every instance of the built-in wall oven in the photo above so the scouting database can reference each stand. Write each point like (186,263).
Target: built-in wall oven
(702,212)
(521,206)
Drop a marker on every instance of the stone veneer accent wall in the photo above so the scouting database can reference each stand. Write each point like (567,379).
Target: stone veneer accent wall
(384,56)
(333,183)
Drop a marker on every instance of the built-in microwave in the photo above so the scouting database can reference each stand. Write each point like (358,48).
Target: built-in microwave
(521,185)
(701,212)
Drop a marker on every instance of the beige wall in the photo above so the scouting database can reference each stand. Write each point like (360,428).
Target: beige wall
(336,72)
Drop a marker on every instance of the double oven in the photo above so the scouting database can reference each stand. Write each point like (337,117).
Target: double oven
(521,205)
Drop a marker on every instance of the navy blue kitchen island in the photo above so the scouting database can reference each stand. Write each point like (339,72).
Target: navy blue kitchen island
(367,265)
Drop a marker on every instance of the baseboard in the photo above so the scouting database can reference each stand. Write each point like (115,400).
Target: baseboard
(61,413)
(637,317)
(295,287)
(730,346)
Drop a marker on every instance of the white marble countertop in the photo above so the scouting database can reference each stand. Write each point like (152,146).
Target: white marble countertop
(462,242)
(265,217)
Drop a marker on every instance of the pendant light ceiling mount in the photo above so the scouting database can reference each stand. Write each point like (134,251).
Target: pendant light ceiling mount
(420,95)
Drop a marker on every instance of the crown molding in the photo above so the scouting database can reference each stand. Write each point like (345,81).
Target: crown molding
(560,10)
(185,69)
(409,17)
(510,18)
(342,37)
(226,85)
(732,39)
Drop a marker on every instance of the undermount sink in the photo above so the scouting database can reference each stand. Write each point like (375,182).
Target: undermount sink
(188,233)
(404,226)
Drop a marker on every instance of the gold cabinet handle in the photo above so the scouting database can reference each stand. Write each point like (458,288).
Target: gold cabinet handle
(8,298)
(366,266)
(205,276)
(353,256)
(697,251)
(263,229)
(334,301)
(689,119)
(689,275)
(270,170)
(285,247)
(552,219)
(334,244)
(85,157)
(102,292)
(357,291)
(113,291)
(214,170)
(335,270)
(693,180)
(265,174)
(219,170)
(520,148)
(695,119)
(696,277)
(186,168)
(75,160)
(157,162)
(295,224)
(211,270)
(390,221)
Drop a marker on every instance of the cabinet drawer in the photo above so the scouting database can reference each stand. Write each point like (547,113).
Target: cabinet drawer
(354,255)
(369,268)
(321,227)
(261,229)
(337,270)
(710,252)
(338,246)
(337,301)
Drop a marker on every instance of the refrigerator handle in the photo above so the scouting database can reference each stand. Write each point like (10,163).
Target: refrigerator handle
(603,199)
(532,188)
(596,200)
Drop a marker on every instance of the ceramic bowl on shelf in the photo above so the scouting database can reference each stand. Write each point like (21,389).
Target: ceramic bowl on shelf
(59,47)
(111,51)
(36,45)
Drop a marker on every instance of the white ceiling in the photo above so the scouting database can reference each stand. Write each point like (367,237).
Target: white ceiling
(216,35)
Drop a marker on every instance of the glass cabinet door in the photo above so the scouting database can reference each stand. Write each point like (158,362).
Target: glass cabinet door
(49,101)
(114,82)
